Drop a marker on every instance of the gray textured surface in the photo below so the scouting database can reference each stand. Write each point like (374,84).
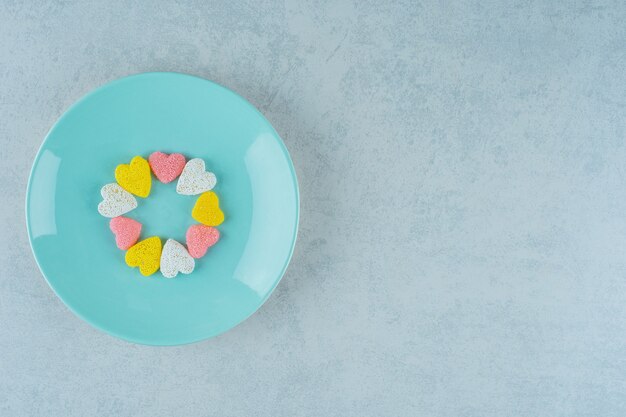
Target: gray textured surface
(463,233)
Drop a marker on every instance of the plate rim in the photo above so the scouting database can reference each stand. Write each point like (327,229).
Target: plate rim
(246,103)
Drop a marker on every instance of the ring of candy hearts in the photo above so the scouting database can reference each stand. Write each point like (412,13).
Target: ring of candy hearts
(134,179)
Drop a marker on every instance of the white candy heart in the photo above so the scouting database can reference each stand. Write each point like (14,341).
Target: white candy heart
(195,179)
(116,201)
(175,259)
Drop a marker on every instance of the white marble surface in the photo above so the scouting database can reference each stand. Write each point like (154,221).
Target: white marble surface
(463,231)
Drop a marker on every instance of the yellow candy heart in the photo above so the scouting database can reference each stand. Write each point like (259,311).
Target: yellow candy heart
(146,255)
(135,178)
(207,209)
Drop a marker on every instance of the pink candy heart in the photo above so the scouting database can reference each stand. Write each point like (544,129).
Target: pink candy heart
(200,238)
(166,167)
(126,231)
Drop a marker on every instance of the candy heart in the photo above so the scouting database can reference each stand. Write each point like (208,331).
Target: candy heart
(135,177)
(195,179)
(126,231)
(175,259)
(200,238)
(166,167)
(146,255)
(207,209)
(116,201)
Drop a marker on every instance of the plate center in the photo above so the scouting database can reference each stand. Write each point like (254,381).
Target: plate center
(164,213)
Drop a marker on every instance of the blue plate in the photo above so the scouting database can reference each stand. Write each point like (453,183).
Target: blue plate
(166,112)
